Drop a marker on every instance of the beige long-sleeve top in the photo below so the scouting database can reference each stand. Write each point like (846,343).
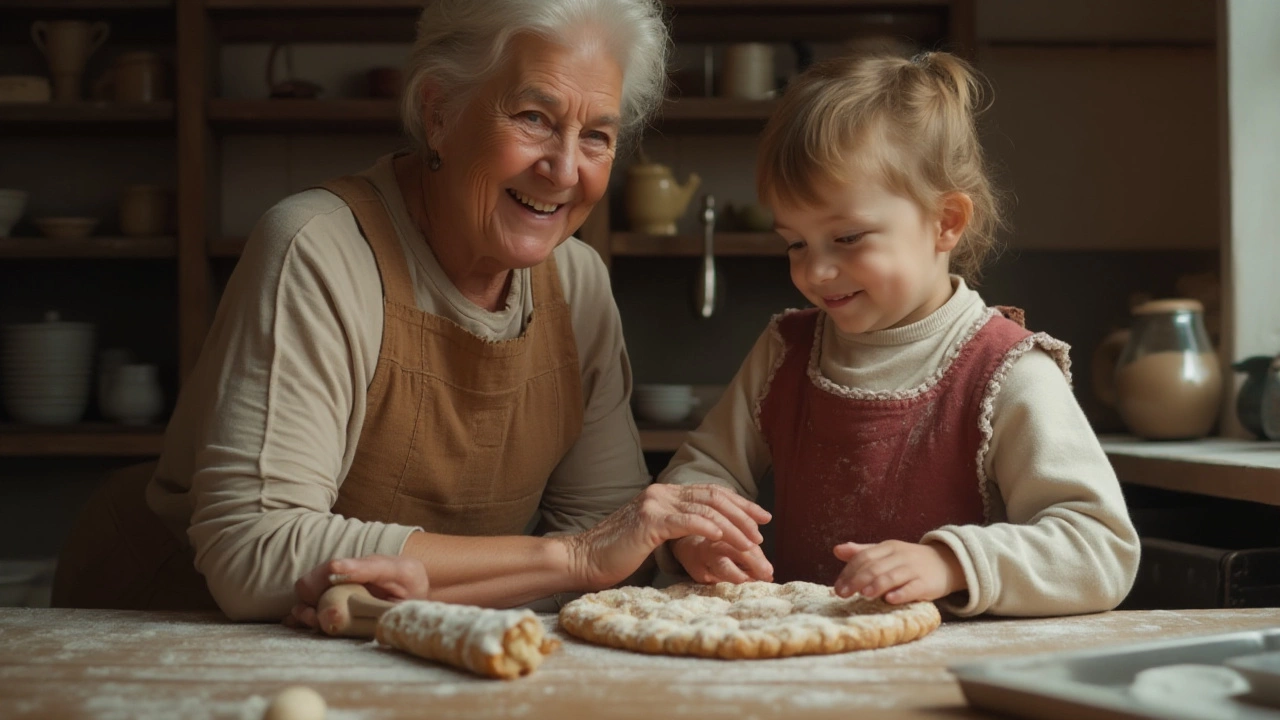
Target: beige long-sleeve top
(266,427)
(1059,540)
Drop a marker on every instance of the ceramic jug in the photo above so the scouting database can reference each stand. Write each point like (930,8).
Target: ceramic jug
(1270,406)
(1162,374)
(67,44)
(654,199)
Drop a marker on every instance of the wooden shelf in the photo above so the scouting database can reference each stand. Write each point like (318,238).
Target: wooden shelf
(713,114)
(727,244)
(87,439)
(346,114)
(43,115)
(658,439)
(303,5)
(625,244)
(417,4)
(369,114)
(89,248)
(1219,467)
(95,5)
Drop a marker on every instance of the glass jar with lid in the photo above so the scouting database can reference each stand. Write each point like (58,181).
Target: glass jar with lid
(1167,382)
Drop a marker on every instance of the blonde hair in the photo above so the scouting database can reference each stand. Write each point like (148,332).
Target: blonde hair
(461,42)
(910,122)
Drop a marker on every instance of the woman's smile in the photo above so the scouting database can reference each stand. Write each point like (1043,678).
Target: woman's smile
(537,208)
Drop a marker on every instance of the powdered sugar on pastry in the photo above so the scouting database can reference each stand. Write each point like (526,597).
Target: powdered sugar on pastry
(496,643)
(748,620)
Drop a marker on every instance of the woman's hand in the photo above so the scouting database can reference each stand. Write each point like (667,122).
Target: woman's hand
(900,571)
(709,561)
(386,576)
(609,552)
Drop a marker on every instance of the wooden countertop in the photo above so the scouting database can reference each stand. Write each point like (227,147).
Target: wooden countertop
(1221,467)
(113,664)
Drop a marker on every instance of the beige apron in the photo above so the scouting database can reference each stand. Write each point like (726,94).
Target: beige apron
(460,435)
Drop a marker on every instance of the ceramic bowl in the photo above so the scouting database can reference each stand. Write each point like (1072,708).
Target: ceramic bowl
(664,403)
(12,204)
(66,228)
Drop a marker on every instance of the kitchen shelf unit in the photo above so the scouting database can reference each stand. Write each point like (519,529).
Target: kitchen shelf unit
(83,440)
(206,118)
(135,24)
(90,248)
(82,116)
(199,118)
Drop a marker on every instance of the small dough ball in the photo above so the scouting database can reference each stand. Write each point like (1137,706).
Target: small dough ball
(296,703)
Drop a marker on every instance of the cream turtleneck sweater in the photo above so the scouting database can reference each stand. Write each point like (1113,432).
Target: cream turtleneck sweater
(1059,540)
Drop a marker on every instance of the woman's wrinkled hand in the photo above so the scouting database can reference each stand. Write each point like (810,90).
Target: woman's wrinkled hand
(388,577)
(609,552)
(901,572)
(709,561)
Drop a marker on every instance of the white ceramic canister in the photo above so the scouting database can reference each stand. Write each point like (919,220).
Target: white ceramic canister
(135,396)
(109,363)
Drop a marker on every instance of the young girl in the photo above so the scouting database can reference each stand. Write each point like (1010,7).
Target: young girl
(923,445)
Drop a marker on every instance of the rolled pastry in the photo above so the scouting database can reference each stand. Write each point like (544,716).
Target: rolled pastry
(495,643)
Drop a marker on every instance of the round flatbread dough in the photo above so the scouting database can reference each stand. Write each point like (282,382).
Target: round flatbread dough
(747,621)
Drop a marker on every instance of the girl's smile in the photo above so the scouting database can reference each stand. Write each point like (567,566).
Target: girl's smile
(835,301)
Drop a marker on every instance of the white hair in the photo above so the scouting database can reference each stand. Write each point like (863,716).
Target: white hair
(461,42)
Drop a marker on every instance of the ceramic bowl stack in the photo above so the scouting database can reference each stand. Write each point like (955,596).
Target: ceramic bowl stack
(664,403)
(45,370)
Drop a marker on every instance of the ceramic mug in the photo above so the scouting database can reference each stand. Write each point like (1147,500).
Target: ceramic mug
(144,210)
(134,77)
(67,44)
(748,71)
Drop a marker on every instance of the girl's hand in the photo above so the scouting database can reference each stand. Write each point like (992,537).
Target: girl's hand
(386,576)
(711,562)
(900,571)
(609,552)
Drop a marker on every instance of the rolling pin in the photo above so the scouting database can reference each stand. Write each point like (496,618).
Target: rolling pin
(492,643)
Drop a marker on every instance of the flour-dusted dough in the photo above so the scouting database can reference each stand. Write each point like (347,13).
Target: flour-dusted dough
(496,643)
(746,621)
(296,703)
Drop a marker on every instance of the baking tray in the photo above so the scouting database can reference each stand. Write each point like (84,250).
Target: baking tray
(1100,683)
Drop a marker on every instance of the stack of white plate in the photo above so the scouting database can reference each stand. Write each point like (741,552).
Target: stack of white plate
(45,370)
(664,403)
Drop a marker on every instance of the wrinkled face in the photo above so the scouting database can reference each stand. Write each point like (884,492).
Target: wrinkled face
(870,258)
(531,152)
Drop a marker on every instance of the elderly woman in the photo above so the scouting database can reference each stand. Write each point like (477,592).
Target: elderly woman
(413,366)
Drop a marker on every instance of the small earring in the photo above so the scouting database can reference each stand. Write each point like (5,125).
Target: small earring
(433,160)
